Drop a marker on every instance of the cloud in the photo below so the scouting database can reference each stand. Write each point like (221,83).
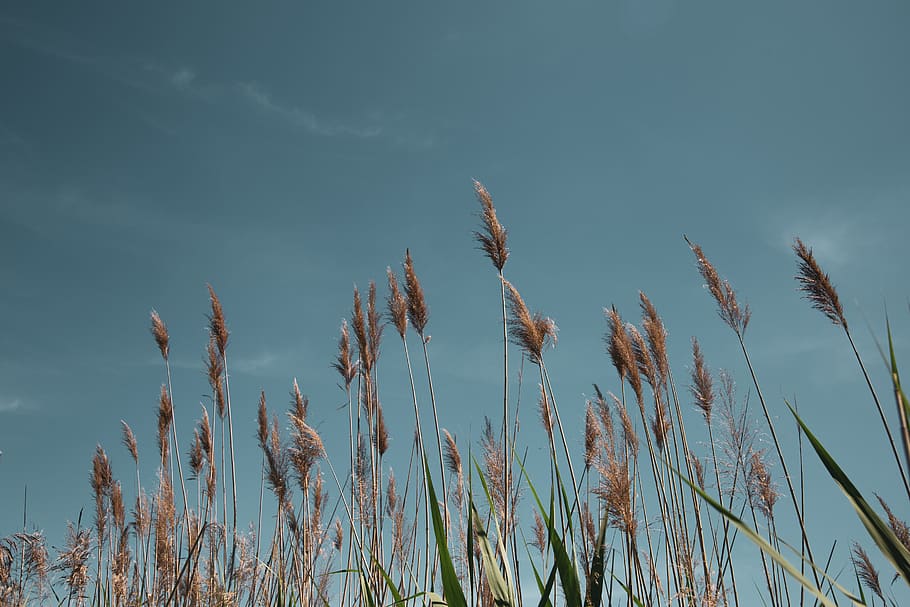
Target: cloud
(183,77)
(253,364)
(10,406)
(300,117)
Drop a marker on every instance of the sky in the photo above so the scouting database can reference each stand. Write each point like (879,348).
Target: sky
(287,153)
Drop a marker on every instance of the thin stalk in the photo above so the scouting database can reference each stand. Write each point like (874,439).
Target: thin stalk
(780,456)
(881,413)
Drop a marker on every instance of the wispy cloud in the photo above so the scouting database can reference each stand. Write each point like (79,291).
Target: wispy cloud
(254,364)
(149,76)
(11,405)
(300,117)
(839,231)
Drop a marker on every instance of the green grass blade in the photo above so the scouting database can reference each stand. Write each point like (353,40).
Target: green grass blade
(890,547)
(761,542)
(568,574)
(450,584)
(499,588)
(499,545)
(594,591)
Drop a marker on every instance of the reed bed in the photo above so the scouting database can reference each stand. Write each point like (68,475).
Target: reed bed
(642,514)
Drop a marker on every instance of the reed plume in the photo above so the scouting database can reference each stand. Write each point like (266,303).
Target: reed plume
(217,325)
(702,388)
(159,331)
(396,305)
(816,286)
(735,316)
(656,335)
(866,570)
(529,332)
(129,441)
(344,362)
(492,236)
(418,313)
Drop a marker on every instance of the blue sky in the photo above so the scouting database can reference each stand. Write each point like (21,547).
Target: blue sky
(285,154)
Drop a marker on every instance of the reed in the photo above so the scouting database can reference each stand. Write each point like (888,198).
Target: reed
(646,507)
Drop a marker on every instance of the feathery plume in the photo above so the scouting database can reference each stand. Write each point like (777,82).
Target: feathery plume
(159,331)
(643,359)
(373,323)
(129,441)
(418,313)
(300,404)
(165,418)
(736,317)
(530,333)
(382,432)
(214,372)
(899,527)
(262,419)
(217,326)
(196,454)
(592,435)
(73,561)
(360,333)
(816,285)
(306,448)
(339,535)
(762,487)
(657,336)
(621,351)
(866,571)
(702,388)
(492,237)
(660,424)
(451,454)
(397,305)
(546,417)
(344,364)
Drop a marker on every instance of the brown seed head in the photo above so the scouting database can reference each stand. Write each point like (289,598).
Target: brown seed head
(215,371)
(546,416)
(492,236)
(197,454)
(306,448)
(397,305)
(816,285)
(592,435)
(382,432)
(530,333)
(339,535)
(866,571)
(300,404)
(165,418)
(159,331)
(118,512)
(374,325)
(451,455)
(262,419)
(702,388)
(344,363)
(129,441)
(660,424)
(360,333)
(762,486)
(418,313)
(621,351)
(899,527)
(217,326)
(657,336)
(736,317)
(205,435)
(643,361)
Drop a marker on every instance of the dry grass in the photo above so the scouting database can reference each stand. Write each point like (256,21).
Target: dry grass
(368,538)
